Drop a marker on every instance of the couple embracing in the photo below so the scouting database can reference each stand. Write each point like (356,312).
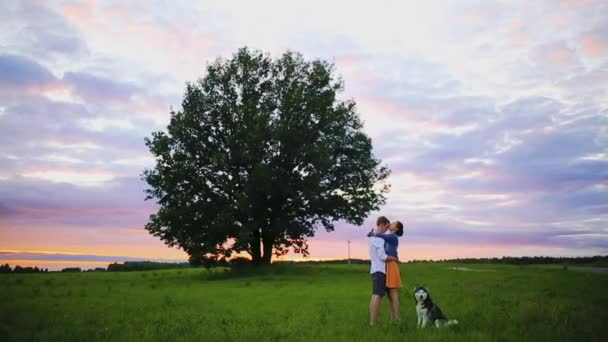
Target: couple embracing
(386,278)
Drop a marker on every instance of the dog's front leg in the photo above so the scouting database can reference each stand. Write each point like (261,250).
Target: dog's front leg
(419,324)
(425,321)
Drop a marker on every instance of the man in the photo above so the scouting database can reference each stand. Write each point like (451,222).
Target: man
(378,259)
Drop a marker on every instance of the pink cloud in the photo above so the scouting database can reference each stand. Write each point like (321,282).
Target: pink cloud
(83,15)
(518,38)
(475,15)
(139,230)
(422,180)
(36,89)
(367,80)
(389,107)
(120,10)
(560,57)
(153,108)
(593,46)
(81,177)
(54,213)
(555,54)
(516,24)
(83,9)
(139,31)
(350,60)
(557,20)
(172,38)
(95,170)
(182,43)
(575,3)
(482,13)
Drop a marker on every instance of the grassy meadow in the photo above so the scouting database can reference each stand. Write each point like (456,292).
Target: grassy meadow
(301,303)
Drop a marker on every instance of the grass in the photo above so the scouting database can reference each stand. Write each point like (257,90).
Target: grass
(301,303)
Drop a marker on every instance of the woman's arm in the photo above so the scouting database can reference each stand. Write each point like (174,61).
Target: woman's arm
(390,238)
(383,236)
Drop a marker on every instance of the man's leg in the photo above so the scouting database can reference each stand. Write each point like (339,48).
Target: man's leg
(378,291)
(393,297)
(374,309)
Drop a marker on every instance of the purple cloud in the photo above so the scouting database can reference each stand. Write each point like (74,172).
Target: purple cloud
(118,204)
(40,31)
(100,89)
(18,71)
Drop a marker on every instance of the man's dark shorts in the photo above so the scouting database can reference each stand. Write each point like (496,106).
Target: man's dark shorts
(379,284)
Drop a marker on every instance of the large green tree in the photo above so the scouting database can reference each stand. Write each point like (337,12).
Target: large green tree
(261,154)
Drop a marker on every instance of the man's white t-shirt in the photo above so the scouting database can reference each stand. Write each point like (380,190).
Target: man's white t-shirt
(377,255)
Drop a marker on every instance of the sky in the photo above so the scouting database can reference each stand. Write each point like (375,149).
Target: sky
(492,116)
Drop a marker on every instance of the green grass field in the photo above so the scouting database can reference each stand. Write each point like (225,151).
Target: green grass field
(301,303)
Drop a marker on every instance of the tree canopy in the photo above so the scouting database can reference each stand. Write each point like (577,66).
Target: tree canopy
(261,154)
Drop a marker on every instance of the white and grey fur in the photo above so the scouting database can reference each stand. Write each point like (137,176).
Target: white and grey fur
(428,312)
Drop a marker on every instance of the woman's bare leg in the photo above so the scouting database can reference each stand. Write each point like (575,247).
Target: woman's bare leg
(393,297)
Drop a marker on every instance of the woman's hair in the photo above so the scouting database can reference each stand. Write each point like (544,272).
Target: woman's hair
(382,220)
(399,226)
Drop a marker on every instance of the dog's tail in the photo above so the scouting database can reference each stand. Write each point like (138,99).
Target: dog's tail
(452,322)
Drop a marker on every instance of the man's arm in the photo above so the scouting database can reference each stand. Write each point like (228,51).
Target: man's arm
(382,254)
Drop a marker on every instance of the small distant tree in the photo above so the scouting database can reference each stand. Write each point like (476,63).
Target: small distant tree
(261,154)
(6,268)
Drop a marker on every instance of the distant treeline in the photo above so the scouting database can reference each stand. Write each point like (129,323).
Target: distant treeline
(503,260)
(144,266)
(241,262)
(534,260)
(78,269)
(332,262)
(6,268)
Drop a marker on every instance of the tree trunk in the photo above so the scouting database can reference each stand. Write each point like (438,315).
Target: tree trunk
(256,253)
(268,242)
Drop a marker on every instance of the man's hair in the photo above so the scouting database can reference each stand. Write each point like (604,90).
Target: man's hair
(399,226)
(382,220)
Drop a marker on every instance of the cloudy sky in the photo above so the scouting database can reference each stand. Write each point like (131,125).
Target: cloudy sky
(493,116)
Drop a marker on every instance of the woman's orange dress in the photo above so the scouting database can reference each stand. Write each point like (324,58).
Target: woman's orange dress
(393,276)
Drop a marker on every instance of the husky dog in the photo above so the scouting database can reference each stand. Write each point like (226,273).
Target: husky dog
(429,312)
